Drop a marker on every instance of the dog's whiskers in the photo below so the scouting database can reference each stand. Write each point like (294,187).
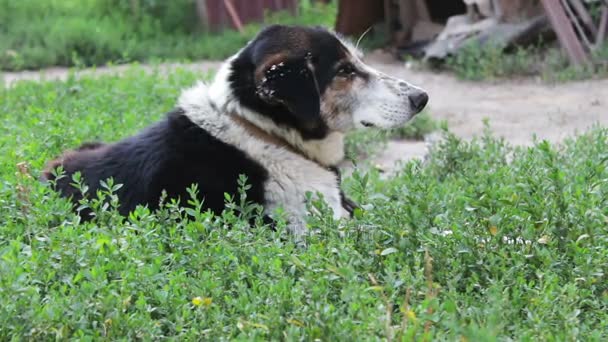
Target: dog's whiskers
(362,36)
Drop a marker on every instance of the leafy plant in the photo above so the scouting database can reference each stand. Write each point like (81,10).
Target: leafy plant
(491,61)
(483,241)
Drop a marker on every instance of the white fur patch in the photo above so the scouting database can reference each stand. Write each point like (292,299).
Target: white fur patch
(291,176)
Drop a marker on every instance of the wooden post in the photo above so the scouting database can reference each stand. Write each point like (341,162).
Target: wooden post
(201,11)
(234,16)
(356,16)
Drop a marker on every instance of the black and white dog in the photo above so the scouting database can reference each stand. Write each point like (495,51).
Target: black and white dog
(277,112)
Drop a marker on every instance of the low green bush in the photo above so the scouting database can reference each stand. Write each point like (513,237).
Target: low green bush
(482,242)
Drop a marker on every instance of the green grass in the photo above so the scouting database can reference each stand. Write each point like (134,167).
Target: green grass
(526,256)
(36,34)
(475,62)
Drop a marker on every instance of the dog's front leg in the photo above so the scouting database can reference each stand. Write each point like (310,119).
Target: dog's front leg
(347,204)
(289,193)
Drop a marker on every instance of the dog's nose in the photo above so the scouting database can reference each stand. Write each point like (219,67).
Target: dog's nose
(419,100)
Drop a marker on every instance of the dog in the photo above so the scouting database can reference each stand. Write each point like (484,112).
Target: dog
(277,112)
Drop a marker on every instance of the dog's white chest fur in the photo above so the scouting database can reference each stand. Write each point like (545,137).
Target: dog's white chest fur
(290,175)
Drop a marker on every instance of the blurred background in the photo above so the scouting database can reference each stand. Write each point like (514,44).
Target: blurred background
(474,38)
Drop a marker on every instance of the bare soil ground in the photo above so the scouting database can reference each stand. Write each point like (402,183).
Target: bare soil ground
(517,110)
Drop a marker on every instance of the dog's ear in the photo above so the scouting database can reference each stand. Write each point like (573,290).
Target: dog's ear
(292,84)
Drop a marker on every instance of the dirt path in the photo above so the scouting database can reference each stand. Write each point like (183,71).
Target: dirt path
(517,110)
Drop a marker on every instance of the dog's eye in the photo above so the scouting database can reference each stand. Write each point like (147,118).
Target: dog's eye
(346,70)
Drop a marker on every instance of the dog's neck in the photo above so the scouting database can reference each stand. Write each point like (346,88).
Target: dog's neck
(327,152)
(264,136)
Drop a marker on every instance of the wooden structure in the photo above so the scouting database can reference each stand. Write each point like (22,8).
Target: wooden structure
(441,27)
(414,16)
(406,18)
(356,16)
(219,14)
(575,28)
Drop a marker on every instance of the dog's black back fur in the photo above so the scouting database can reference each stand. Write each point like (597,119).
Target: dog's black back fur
(171,155)
(281,75)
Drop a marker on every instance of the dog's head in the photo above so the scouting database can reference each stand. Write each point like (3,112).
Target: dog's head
(311,80)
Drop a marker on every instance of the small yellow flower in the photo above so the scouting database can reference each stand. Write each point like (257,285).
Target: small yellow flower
(204,301)
(493,230)
(197,301)
(207,301)
(411,315)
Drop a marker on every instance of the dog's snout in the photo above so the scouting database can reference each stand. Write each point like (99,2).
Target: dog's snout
(418,100)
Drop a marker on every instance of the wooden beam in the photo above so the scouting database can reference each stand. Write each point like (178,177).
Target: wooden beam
(202,13)
(422,10)
(356,16)
(234,16)
(565,33)
(582,12)
(407,15)
(602,28)
(388,20)
(574,19)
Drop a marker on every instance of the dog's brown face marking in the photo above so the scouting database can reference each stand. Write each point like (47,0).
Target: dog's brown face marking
(339,98)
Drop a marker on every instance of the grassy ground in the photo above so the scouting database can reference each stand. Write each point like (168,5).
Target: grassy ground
(482,242)
(36,34)
(549,63)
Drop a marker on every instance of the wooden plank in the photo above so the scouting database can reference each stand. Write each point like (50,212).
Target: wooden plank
(356,16)
(422,10)
(388,18)
(565,33)
(516,10)
(582,13)
(407,15)
(234,16)
(203,14)
(602,28)
(575,20)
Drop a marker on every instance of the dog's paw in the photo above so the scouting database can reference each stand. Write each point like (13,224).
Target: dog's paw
(348,204)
